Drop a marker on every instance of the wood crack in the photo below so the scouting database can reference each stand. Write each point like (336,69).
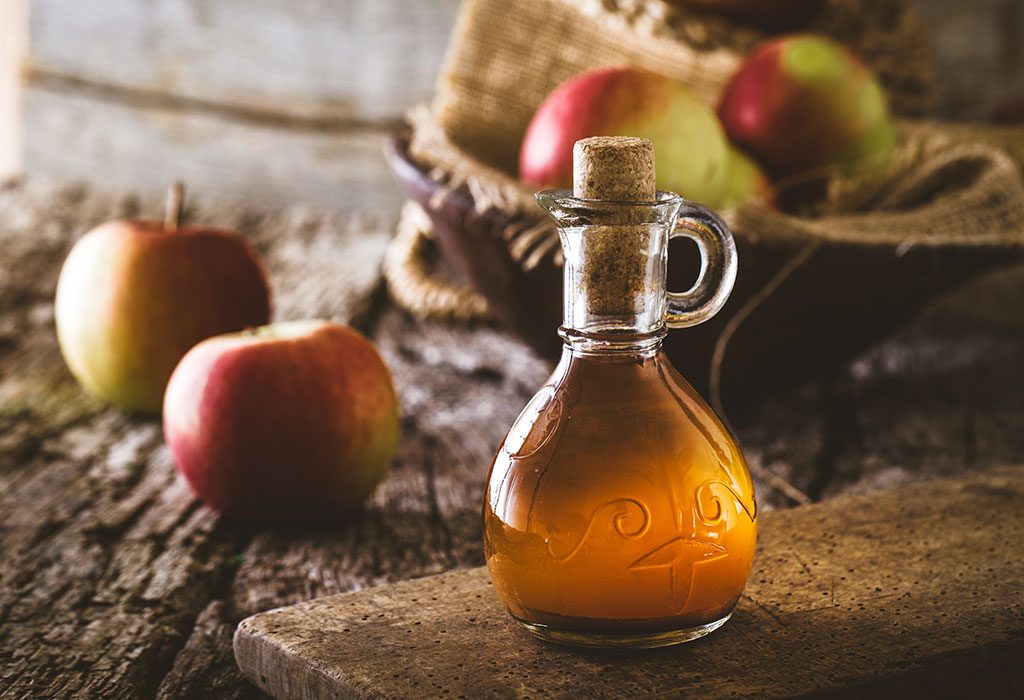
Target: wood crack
(839,432)
(436,517)
(970,429)
(57,82)
(771,613)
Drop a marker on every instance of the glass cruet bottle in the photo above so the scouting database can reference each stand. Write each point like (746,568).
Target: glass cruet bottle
(619,510)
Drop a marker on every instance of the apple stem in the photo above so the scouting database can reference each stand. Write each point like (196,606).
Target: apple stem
(175,202)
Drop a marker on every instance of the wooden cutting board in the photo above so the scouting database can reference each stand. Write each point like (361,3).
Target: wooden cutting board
(915,590)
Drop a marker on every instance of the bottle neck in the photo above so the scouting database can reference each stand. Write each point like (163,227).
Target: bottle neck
(614,288)
(614,275)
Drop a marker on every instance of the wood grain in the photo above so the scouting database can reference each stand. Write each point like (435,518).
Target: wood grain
(319,59)
(140,146)
(843,594)
(274,102)
(105,557)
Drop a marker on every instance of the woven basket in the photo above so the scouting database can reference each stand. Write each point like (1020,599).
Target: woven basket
(812,292)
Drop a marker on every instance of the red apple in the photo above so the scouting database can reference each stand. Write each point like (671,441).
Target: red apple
(803,103)
(770,14)
(291,420)
(693,155)
(134,296)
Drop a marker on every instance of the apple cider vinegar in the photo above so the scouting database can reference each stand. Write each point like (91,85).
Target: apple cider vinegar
(619,510)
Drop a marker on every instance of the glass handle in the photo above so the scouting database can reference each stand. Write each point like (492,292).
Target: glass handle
(717,267)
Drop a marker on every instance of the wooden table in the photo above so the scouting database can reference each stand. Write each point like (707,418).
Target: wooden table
(894,593)
(115,582)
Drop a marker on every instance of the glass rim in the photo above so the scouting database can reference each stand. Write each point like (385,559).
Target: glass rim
(565,198)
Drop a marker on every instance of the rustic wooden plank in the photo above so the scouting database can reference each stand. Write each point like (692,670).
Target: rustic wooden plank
(105,558)
(78,134)
(460,388)
(320,59)
(851,592)
(202,669)
(13,40)
(423,520)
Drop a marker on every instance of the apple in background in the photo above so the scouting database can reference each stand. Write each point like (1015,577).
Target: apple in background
(746,180)
(803,103)
(693,155)
(134,296)
(292,420)
(769,14)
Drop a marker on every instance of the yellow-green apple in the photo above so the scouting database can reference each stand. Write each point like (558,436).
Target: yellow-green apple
(804,103)
(694,156)
(770,14)
(291,420)
(134,296)
(745,180)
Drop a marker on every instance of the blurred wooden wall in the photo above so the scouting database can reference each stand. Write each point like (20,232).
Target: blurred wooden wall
(279,101)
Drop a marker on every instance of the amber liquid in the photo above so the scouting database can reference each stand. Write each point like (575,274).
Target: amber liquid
(619,504)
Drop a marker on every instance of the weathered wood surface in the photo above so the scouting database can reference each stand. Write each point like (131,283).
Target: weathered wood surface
(357,61)
(275,102)
(141,144)
(105,558)
(114,582)
(848,593)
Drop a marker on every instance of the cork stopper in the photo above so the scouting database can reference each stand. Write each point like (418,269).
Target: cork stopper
(614,264)
(613,169)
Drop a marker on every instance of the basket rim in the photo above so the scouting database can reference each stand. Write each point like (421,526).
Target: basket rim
(445,186)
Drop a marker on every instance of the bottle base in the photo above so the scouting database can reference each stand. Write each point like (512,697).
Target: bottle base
(622,641)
